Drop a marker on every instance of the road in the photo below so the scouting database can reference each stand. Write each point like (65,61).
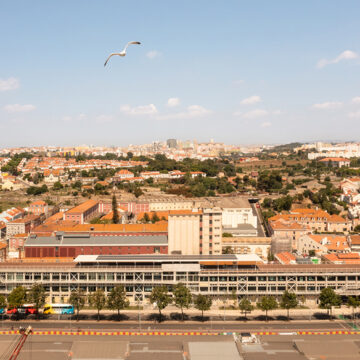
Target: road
(207,326)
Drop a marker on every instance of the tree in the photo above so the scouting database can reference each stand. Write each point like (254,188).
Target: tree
(77,300)
(353,303)
(3,302)
(146,218)
(357,228)
(138,192)
(160,297)
(266,304)
(37,296)
(182,297)
(245,306)
(117,299)
(98,300)
(17,297)
(203,303)
(115,218)
(57,186)
(155,218)
(289,301)
(328,298)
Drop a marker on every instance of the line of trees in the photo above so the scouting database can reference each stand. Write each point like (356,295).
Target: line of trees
(161,297)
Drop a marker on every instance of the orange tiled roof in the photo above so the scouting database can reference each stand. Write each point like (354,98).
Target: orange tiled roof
(285,258)
(160,214)
(350,258)
(82,207)
(355,239)
(334,242)
(184,212)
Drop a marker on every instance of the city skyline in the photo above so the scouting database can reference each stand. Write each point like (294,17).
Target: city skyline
(243,74)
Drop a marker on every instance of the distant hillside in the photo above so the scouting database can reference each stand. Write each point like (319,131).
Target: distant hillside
(285,147)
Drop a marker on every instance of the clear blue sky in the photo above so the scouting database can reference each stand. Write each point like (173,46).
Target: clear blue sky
(236,71)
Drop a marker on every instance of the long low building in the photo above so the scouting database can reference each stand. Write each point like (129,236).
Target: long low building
(74,244)
(218,276)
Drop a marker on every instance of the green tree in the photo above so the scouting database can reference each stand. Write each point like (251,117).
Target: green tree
(245,306)
(77,300)
(117,299)
(357,228)
(160,297)
(353,303)
(37,296)
(266,304)
(146,218)
(227,250)
(137,192)
(288,301)
(115,218)
(182,297)
(155,218)
(98,300)
(203,303)
(57,186)
(328,298)
(17,297)
(3,302)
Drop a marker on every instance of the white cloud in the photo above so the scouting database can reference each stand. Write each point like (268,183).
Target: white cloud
(277,112)
(153,54)
(251,100)
(266,124)
(328,105)
(356,100)
(172,102)
(354,115)
(9,84)
(345,55)
(238,82)
(192,112)
(139,110)
(254,114)
(104,118)
(67,118)
(16,108)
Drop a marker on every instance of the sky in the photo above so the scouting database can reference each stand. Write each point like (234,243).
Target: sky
(239,72)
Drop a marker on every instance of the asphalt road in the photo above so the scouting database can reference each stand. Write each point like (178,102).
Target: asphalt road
(223,326)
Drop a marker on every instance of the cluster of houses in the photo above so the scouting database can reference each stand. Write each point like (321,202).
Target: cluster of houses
(351,195)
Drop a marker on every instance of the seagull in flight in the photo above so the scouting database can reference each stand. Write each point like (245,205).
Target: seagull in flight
(122,53)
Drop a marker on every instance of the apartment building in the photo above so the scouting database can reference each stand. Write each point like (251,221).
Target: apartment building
(83,213)
(322,244)
(314,220)
(238,217)
(38,207)
(21,226)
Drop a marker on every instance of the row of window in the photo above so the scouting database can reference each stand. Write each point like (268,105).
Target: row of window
(167,276)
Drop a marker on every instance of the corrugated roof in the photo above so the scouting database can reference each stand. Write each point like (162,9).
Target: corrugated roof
(160,240)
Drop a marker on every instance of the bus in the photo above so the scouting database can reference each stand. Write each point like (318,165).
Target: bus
(25,309)
(59,309)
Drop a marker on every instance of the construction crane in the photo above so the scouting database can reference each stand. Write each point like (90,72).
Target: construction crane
(24,334)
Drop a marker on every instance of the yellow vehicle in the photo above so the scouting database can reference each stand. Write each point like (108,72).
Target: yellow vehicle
(59,309)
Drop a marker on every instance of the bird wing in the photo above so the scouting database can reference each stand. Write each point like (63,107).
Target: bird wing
(132,43)
(110,57)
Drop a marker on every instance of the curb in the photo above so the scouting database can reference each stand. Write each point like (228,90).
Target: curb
(165,333)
